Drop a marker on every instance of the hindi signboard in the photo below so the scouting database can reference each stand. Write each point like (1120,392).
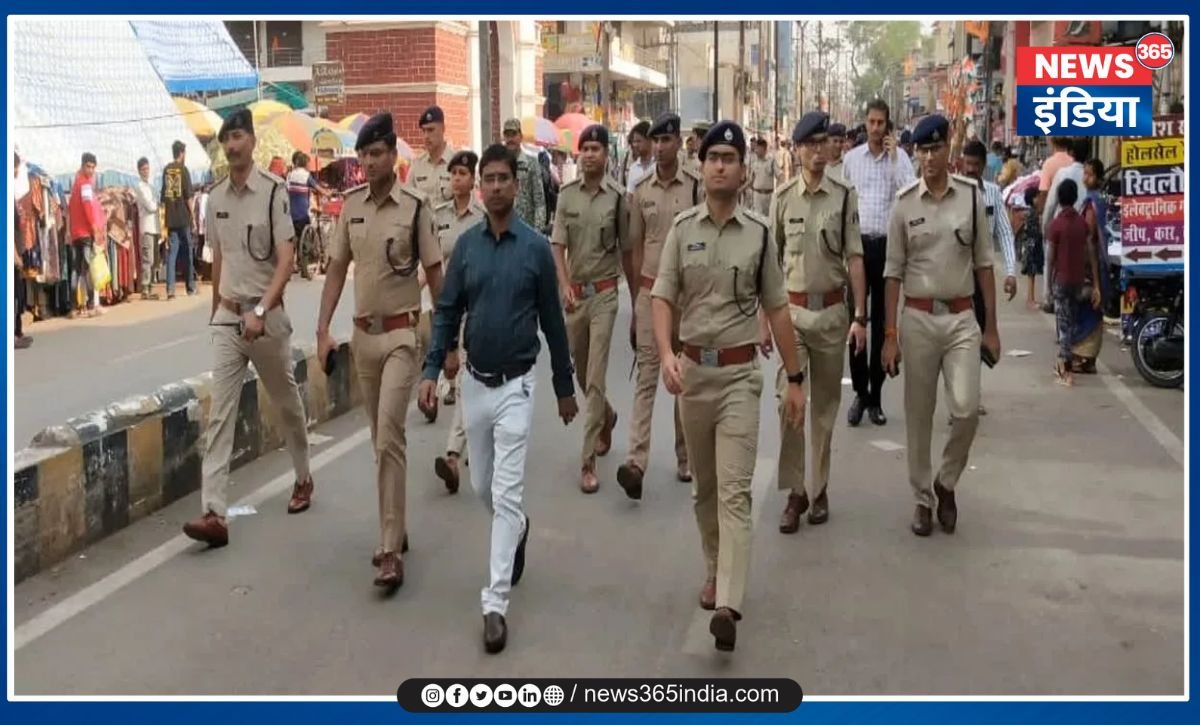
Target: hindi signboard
(1153,198)
(329,83)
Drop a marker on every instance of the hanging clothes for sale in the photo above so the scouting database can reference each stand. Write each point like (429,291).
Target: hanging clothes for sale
(120,210)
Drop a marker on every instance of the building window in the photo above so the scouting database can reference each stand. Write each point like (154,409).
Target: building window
(285,43)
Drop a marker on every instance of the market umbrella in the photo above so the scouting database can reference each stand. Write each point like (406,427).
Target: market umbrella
(354,123)
(297,128)
(572,125)
(264,110)
(540,131)
(202,120)
(333,142)
(269,143)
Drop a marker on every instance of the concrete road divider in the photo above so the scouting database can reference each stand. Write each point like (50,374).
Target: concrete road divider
(94,475)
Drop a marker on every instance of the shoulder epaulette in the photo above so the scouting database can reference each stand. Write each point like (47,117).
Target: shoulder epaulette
(839,182)
(645,179)
(413,193)
(272,177)
(685,215)
(614,185)
(963,179)
(756,217)
(908,189)
(787,185)
(355,189)
(573,182)
(219,181)
(443,205)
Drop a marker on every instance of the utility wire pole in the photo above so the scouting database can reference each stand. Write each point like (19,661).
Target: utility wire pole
(605,52)
(716,93)
(485,81)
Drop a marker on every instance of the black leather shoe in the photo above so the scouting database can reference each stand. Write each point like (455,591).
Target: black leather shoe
(819,513)
(495,632)
(947,509)
(630,479)
(723,628)
(855,414)
(519,557)
(797,504)
(875,413)
(922,524)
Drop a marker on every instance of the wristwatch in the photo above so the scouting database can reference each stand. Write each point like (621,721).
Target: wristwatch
(797,379)
(861,319)
(260,311)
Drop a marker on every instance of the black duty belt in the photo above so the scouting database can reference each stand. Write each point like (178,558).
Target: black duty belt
(495,380)
(874,238)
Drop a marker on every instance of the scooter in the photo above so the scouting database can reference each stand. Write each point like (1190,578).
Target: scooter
(1157,341)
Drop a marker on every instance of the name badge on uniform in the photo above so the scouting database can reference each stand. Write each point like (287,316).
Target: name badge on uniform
(696,246)
(357,220)
(647,203)
(421,178)
(991,210)
(222,215)
(571,214)
(916,222)
(443,227)
(798,222)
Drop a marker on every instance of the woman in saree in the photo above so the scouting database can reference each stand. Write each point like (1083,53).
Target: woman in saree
(1088,333)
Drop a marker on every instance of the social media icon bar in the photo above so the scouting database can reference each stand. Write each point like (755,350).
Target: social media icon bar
(505,695)
(432,695)
(481,695)
(529,695)
(457,695)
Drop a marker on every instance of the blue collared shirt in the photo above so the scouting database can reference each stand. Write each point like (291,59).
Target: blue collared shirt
(509,284)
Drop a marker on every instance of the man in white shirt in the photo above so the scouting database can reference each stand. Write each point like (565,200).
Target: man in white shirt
(148,224)
(639,163)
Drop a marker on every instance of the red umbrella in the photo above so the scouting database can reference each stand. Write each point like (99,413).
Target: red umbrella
(572,125)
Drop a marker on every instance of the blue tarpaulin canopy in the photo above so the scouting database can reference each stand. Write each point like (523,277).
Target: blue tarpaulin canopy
(193,56)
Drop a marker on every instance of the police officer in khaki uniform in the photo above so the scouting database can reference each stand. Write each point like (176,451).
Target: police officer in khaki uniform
(386,229)
(591,249)
(430,172)
(815,222)
(671,189)
(252,238)
(453,218)
(761,183)
(939,246)
(719,266)
(835,166)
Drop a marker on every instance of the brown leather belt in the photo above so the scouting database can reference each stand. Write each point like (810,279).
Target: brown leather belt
(939,307)
(239,308)
(379,324)
(647,282)
(818,302)
(764,191)
(585,290)
(739,355)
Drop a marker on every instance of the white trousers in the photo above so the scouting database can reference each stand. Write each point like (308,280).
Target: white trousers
(498,422)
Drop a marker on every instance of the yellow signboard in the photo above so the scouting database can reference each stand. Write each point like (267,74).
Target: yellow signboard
(1152,152)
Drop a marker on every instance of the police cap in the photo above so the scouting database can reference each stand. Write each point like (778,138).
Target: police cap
(241,119)
(377,128)
(837,130)
(725,133)
(665,125)
(931,129)
(811,125)
(433,114)
(595,133)
(465,158)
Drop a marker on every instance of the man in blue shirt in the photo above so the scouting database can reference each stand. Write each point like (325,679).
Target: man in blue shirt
(503,272)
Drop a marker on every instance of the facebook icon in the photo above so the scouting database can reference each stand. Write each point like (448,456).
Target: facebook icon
(456,695)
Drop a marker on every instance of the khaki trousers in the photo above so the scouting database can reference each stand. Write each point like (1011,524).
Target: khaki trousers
(387,367)
(646,389)
(931,344)
(719,407)
(821,349)
(761,202)
(589,333)
(272,358)
(456,439)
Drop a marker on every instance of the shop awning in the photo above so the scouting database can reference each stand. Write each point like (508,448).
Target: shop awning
(193,56)
(87,85)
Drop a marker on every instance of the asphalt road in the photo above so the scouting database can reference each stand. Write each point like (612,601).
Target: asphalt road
(1066,576)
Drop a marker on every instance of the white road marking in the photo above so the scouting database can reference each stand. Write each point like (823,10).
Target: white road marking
(888,446)
(88,597)
(698,641)
(155,348)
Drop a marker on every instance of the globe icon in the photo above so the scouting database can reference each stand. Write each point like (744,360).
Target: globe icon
(553,695)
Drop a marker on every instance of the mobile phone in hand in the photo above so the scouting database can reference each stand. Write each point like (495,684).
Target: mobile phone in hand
(330,362)
(987,357)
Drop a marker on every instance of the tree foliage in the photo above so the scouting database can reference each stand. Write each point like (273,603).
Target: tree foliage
(877,53)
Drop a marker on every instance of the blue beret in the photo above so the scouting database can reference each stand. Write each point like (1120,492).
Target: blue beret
(665,125)
(837,130)
(240,119)
(377,128)
(595,133)
(813,123)
(466,159)
(931,129)
(725,133)
(433,114)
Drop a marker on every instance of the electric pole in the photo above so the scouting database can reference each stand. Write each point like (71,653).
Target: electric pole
(716,94)
(740,86)
(485,81)
(605,51)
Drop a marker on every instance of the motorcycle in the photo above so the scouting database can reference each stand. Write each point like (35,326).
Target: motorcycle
(1157,340)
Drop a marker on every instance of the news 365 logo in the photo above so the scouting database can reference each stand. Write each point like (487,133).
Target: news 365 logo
(1089,91)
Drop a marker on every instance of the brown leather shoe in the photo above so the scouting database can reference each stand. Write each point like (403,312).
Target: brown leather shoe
(630,478)
(588,483)
(819,513)
(723,628)
(446,468)
(301,496)
(377,557)
(922,524)
(495,633)
(209,529)
(947,509)
(708,594)
(797,503)
(683,472)
(391,571)
(604,445)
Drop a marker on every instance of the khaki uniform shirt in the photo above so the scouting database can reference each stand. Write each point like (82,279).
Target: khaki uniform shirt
(593,225)
(836,170)
(248,227)
(933,246)
(378,236)
(762,174)
(654,205)
(432,178)
(709,274)
(817,233)
(451,224)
